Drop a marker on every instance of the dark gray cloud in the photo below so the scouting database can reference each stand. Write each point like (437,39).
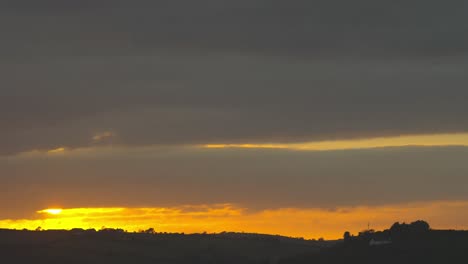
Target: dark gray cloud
(180,72)
(300,27)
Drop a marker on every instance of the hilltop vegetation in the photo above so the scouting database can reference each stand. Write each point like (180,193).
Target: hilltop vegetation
(402,243)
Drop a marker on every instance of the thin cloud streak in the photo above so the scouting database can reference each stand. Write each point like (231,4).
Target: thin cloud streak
(460,139)
(435,140)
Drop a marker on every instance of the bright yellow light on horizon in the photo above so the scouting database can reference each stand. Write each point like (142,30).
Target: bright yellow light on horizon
(52,211)
(294,222)
(457,139)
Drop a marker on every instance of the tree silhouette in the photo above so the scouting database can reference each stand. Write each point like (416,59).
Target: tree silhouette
(420,226)
(346,236)
(150,231)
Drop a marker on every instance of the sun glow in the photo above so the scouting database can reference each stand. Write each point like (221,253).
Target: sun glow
(295,222)
(52,211)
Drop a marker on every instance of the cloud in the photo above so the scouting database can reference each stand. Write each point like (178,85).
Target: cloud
(253,178)
(56,151)
(402,141)
(180,72)
(251,106)
(103,136)
(300,28)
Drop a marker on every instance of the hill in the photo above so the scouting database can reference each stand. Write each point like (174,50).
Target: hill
(402,243)
(116,246)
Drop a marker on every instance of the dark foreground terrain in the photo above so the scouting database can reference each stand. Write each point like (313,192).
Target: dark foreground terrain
(113,246)
(402,243)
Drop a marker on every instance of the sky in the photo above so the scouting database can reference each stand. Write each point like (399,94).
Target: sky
(240,111)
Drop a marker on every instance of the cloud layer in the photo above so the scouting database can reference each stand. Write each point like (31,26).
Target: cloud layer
(184,72)
(256,179)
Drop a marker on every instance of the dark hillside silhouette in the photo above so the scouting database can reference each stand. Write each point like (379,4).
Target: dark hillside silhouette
(401,243)
(116,246)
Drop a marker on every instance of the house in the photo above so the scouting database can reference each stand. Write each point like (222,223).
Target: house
(375,242)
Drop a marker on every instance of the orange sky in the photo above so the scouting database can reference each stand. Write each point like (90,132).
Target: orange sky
(296,222)
(308,222)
